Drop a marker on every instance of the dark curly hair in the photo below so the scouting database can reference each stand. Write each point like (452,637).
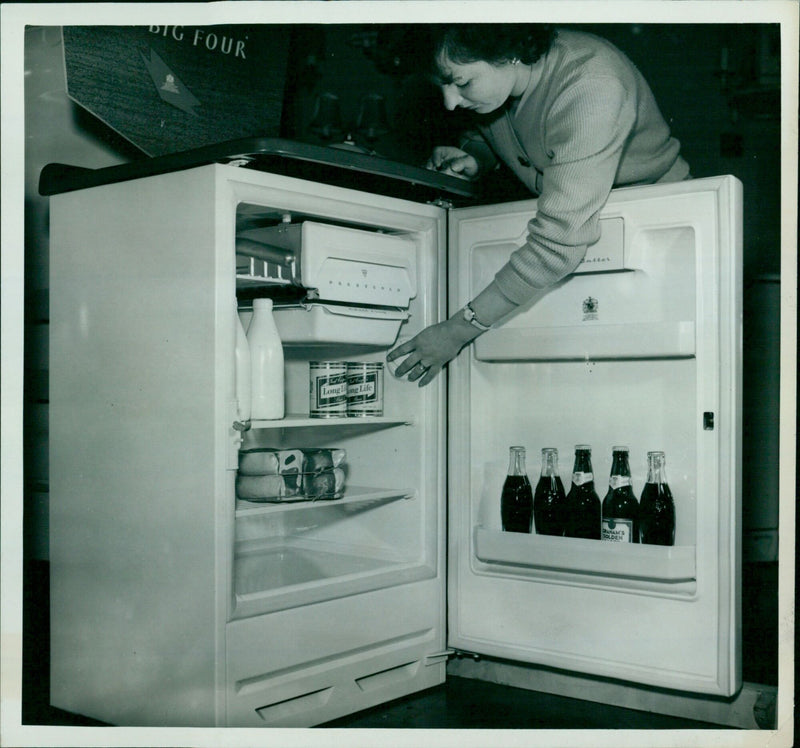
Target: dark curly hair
(418,48)
(495,43)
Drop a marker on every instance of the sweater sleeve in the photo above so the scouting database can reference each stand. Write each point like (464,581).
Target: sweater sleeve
(586,132)
(475,144)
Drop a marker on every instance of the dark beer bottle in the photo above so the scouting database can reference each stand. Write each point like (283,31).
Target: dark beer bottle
(516,501)
(656,507)
(549,500)
(583,503)
(620,507)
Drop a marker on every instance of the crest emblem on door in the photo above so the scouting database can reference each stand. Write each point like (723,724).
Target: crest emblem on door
(590,307)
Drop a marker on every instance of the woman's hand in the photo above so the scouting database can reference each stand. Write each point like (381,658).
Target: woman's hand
(453,161)
(431,349)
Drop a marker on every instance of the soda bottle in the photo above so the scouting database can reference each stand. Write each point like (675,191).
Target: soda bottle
(516,500)
(549,500)
(656,508)
(583,503)
(620,507)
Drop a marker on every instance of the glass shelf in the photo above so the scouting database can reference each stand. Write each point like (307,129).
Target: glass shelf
(300,420)
(353,495)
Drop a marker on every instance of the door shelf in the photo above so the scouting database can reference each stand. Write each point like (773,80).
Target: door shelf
(353,495)
(300,421)
(592,558)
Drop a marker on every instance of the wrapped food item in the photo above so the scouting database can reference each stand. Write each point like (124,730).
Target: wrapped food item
(328,484)
(266,487)
(290,474)
(317,460)
(258,461)
(290,466)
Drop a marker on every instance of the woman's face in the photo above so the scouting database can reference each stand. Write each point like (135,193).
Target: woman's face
(479,86)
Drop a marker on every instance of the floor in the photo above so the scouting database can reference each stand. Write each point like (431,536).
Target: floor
(459,703)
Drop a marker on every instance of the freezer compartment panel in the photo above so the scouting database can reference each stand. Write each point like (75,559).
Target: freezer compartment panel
(345,264)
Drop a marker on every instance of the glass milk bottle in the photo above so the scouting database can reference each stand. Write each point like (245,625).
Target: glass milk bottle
(266,358)
(243,368)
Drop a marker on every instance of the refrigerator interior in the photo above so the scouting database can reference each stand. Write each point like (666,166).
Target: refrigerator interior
(382,531)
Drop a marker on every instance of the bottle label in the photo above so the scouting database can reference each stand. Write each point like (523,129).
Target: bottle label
(618,481)
(580,478)
(617,530)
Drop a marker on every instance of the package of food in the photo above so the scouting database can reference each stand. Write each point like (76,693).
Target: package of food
(258,461)
(276,475)
(266,487)
(327,484)
(290,467)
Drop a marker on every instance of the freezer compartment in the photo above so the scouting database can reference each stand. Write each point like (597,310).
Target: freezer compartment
(589,562)
(643,309)
(341,263)
(332,283)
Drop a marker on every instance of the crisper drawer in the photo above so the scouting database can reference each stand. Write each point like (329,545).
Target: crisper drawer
(302,666)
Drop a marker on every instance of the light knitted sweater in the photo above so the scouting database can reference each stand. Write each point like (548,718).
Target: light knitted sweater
(588,124)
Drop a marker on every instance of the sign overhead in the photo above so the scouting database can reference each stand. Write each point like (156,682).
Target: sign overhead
(173,88)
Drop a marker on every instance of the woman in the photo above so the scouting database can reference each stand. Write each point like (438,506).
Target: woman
(572,117)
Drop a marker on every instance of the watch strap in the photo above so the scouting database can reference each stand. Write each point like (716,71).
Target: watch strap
(469,316)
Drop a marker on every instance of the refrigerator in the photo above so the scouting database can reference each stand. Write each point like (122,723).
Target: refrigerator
(175,603)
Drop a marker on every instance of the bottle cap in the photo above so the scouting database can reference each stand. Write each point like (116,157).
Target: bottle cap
(620,449)
(583,448)
(262,303)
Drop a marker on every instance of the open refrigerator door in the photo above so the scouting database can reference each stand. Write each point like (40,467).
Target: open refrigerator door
(640,346)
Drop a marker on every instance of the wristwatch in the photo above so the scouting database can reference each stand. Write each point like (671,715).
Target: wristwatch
(469,315)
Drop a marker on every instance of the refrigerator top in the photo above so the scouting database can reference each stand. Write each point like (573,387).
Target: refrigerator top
(338,166)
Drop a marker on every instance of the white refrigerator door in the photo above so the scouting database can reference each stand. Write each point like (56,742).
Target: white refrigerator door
(639,347)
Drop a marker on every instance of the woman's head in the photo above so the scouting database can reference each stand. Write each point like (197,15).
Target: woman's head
(494,43)
(478,67)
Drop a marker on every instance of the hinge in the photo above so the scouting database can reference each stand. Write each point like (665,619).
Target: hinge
(441,202)
(434,658)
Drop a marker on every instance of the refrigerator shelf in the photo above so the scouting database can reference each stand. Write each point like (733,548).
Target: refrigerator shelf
(592,558)
(256,281)
(300,420)
(353,495)
(290,571)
